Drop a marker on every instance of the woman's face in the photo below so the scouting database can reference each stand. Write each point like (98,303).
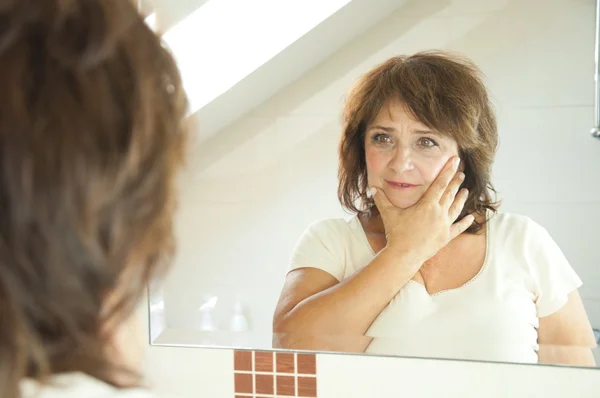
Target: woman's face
(403,155)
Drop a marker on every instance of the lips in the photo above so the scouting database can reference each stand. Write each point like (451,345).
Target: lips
(400,184)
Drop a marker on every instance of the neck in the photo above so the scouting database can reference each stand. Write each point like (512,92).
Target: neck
(372,221)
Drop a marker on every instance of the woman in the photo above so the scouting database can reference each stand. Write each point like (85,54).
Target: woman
(91,138)
(428,266)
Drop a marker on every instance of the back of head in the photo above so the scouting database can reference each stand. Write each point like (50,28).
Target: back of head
(442,90)
(91,136)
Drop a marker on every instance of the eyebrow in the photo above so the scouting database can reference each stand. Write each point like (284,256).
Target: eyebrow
(427,132)
(386,129)
(392,129)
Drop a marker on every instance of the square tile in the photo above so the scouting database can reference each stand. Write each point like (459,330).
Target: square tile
(307,364)
(264,384)
(263,361)
(243,383)
(242,360)
(307,386)
(286,385)
(286,363)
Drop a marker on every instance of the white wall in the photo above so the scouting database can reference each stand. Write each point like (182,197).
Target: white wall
(195,372)
(250,191)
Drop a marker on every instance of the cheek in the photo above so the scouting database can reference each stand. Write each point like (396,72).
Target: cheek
(375,160)
(430,168)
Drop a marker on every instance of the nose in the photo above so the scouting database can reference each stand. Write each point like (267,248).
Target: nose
(402,160)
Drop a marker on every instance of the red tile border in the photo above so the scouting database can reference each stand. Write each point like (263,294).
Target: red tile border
(307,386)
(265,384)
(263,361)
(307,364)
(242,360)
(270,374)
(286,362)
(243,383)
(286,386)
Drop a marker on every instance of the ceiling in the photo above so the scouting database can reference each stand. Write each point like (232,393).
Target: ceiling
(267,76)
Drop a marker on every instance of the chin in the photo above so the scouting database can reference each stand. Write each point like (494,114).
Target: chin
(403,203)
(404,200)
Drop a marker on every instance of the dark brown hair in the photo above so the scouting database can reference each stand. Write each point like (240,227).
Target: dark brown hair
(443,91)
(91,137)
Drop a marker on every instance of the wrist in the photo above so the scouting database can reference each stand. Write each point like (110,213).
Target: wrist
(404,254)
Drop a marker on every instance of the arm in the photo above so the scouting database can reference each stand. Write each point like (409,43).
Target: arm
(315,312)
(566,337)
(318,313)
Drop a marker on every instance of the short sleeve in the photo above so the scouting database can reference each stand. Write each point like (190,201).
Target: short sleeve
(554,276)
(320,246)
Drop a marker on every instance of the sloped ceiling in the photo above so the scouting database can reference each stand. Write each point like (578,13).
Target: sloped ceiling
(334,28)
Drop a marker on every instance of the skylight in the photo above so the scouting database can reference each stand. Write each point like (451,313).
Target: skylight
(225,40)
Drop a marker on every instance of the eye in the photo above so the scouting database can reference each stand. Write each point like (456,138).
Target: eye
(381,138)
(427,142)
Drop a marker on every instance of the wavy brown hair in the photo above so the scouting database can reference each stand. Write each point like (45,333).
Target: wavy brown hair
(445,92)
(91,136)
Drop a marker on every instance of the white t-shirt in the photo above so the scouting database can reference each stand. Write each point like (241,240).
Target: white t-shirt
(492,317)
(79,385)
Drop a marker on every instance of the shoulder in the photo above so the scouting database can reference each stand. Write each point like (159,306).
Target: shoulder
(333,224)
(521,236)
(516,227)
(324,245)
(337,229)
(522,240)
(76,385)
(325,237)
(513,220)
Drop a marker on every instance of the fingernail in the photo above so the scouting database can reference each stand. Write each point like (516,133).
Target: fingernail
(456,162)
(461,176)
(371,192)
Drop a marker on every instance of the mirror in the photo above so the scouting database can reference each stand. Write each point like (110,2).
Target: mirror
(264,168)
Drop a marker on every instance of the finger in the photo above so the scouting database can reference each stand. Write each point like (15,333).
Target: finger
(453,187)
(380,198)
(459,203)
(461,226)
(439,185)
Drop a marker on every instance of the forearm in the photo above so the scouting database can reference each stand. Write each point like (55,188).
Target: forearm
(566,336)
(566,355)
(346,311)
(298,341)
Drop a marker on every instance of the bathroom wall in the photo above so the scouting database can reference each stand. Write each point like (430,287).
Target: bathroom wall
(197,372)
(250,191)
